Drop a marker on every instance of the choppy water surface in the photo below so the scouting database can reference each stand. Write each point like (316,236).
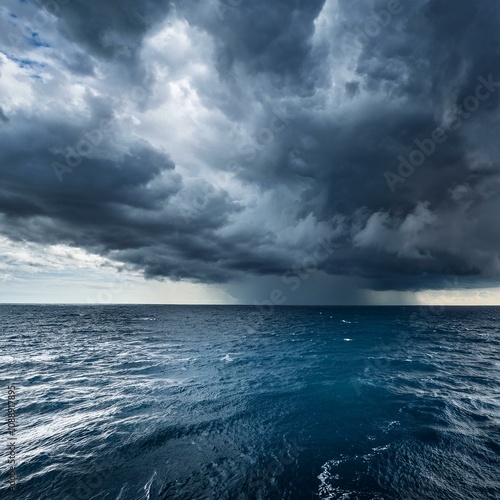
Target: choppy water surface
(157,402)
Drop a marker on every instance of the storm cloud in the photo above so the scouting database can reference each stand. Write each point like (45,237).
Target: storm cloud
(219,141)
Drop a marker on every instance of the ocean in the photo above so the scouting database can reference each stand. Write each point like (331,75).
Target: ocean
(233,402)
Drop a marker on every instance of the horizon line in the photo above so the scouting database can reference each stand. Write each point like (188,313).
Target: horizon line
(235,305)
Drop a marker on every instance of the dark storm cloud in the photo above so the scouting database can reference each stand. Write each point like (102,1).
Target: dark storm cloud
(268,37)
(429,59)
(362,94)
(3,117)
(115,202)
(108,29)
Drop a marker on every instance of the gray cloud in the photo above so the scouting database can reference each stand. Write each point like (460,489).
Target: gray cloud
(3,117)
(111,29)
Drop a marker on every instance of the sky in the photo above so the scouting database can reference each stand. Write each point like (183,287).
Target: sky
(260,152)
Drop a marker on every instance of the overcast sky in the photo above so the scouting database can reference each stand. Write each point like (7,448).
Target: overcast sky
(293,151)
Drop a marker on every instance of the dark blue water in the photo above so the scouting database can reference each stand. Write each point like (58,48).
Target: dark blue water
(157,402)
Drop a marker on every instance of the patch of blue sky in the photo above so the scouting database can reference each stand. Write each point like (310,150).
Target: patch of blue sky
(25,63)
(36,42)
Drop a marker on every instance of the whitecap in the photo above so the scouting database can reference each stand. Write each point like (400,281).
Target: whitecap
(147,487)
(381,448)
